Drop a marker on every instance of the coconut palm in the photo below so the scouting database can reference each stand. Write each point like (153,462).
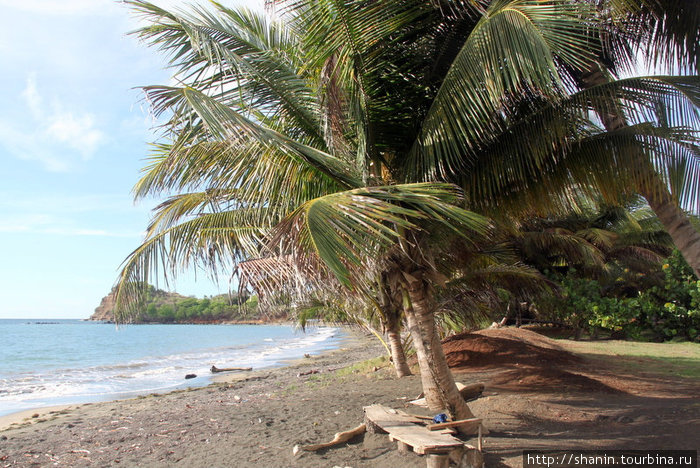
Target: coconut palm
(338,140)
(663,34)
(607,243)
(323,298)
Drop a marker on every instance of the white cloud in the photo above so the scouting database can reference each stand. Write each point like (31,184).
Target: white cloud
(51,136)
(31,96)
(76,132)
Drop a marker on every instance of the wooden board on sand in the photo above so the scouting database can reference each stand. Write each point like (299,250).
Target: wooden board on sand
(407,429)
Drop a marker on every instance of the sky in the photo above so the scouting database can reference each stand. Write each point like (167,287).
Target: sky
(74,133)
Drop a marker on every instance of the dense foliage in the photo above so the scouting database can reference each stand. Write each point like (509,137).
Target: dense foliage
(670,309)
(163,307)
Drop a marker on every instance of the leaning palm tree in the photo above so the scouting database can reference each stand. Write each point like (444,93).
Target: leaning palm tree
(663,34)
(321,297)
(339,138)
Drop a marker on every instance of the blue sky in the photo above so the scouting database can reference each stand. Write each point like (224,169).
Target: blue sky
(73,135)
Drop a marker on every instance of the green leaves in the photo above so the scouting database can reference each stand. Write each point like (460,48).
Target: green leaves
(296,145)
(514,45)
(347,229)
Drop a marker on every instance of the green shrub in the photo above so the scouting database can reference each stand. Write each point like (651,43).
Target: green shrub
(670,310)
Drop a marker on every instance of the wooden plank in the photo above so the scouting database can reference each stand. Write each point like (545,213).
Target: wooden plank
(385,417)
(393,416)
(405,428)
(467,424)
(424,441)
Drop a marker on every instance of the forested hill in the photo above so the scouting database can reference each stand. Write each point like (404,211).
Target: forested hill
(167,307)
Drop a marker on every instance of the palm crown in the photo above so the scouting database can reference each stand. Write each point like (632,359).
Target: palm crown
(343,132)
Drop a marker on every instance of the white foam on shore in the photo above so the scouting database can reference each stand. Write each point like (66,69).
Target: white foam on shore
(143,376)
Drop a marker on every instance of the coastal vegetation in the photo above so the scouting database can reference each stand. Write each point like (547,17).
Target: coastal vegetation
(167,307)
(378,155)
(667,307)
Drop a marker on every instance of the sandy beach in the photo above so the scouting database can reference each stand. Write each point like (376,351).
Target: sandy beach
(538,396)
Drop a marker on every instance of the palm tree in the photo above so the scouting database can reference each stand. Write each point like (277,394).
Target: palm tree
(328,301)
(665,34)
(600,241)
(338,140)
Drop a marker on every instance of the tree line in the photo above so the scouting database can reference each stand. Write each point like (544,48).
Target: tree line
(162,307)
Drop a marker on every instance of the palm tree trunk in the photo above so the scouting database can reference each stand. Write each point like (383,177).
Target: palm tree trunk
(393,331)
(439,387)
(390,310)
(684,235)
(650,185)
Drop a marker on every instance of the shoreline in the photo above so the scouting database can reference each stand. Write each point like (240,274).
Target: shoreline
(254,418)
(314,340)
(352,337)
(534,400)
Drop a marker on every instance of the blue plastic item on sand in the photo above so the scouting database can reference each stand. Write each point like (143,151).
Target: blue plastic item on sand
(440,418)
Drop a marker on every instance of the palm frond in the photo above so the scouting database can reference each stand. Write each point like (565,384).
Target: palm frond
(211,241)
(558,247)
(225,123)
(239,56)
(262,175)
(513,46)
(343,228)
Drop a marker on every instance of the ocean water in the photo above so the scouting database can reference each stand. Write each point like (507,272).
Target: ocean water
(53,362)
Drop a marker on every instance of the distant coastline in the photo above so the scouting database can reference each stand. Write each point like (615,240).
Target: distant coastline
(162,307)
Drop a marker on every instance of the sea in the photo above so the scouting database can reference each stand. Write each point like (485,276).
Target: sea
(56,362)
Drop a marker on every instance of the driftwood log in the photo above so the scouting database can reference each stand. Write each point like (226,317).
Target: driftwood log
(339,438)
(215,369)
(468,392)
(472,392)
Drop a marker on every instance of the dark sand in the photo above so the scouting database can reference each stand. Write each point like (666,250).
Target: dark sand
(538,396)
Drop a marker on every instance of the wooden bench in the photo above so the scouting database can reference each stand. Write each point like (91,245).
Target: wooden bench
(410,433)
